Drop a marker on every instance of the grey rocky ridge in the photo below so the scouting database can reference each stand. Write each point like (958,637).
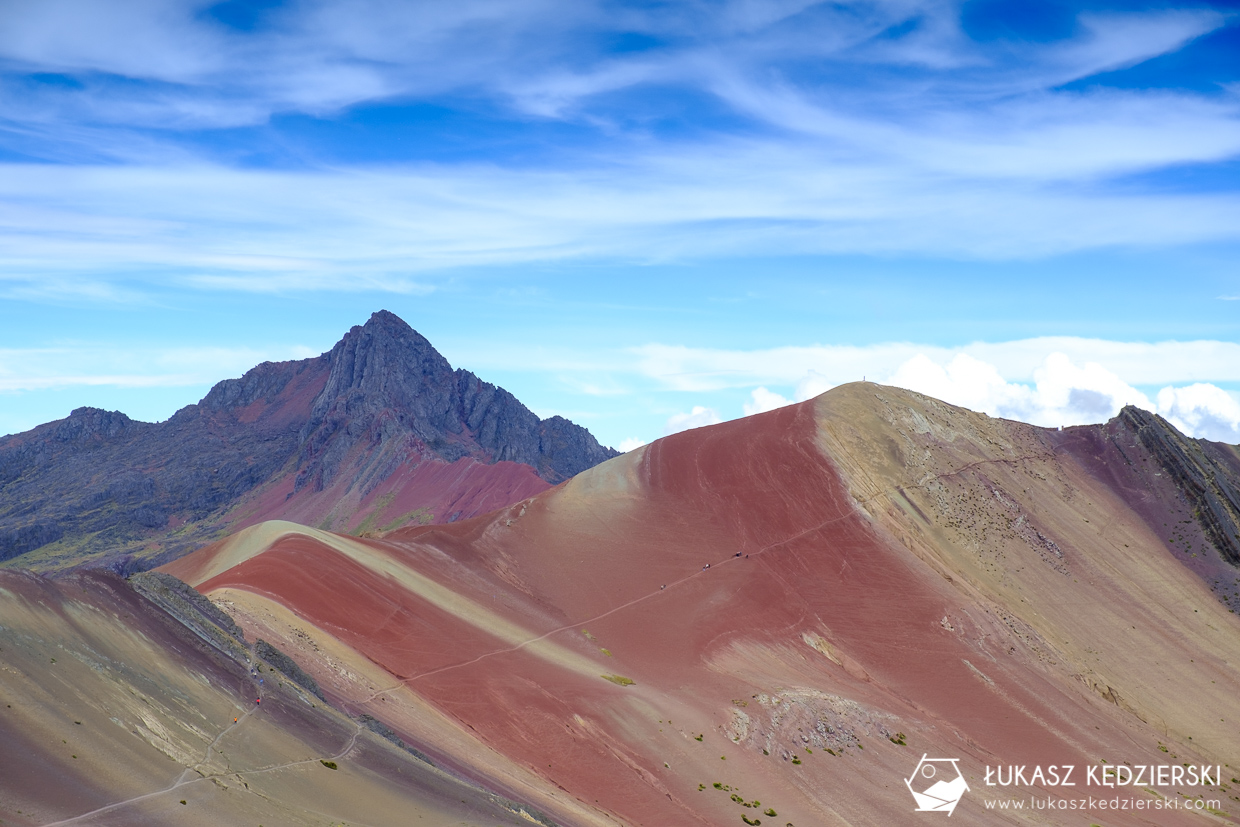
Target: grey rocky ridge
(99,487)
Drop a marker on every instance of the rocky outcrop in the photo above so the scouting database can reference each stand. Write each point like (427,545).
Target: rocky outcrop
(192,610)
(83,431)
(383,399)
(1205,481)
(287,667)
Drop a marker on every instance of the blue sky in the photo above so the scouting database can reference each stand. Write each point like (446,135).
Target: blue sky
(642,216)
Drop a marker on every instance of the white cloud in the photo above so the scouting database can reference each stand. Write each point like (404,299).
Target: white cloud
(762,400)
(630,444)
(1048,382)
(1063,393)
(813,384)
(699,417)
(965,381)
(1202,410)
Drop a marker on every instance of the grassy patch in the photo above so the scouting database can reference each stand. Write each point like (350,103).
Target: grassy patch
(331,765)
(368,524)
(619,680)
(418,516)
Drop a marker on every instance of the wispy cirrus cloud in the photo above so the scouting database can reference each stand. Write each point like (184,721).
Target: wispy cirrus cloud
(253,230)
(175,66)
(76,364)
(693,131)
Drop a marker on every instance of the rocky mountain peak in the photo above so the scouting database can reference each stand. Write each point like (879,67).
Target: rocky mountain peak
(384,364)
(385,356)
(381,404)
(388,384)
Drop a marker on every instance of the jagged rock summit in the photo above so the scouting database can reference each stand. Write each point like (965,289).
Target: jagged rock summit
(378,432)
(386,381)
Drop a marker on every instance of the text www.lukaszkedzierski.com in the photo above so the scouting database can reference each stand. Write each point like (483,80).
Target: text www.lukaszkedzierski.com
(1091,803)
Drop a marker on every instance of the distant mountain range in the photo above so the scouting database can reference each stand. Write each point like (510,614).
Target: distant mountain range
(377,433)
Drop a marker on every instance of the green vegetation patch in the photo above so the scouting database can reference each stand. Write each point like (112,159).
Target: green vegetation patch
(619,680)
(418,516)
(331,765)
(367,525)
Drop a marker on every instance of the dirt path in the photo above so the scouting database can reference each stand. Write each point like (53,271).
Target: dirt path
(192,775)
